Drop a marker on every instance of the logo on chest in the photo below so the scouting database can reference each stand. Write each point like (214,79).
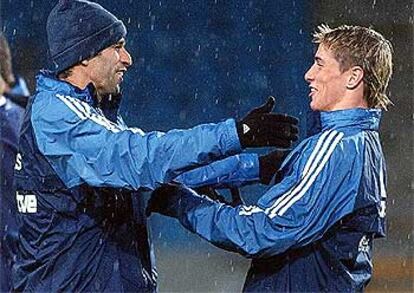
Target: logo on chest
(26,203)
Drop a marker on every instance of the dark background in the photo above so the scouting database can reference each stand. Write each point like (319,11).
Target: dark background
(204,61)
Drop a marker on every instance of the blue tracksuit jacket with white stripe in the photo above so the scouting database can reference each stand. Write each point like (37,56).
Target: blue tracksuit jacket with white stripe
(313,231)
(79,176)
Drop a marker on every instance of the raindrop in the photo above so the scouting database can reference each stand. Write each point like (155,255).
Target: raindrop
(152,23)
(183,115)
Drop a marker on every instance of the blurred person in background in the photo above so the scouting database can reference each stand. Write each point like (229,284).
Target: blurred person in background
(15,88)
(13,98)
(81,169)
(313,231)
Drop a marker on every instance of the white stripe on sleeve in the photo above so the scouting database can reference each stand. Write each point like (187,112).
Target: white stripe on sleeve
(83,111)
(79,113)
(313,176)
(323,150)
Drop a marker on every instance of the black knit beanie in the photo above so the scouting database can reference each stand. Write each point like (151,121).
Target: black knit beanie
(78,30)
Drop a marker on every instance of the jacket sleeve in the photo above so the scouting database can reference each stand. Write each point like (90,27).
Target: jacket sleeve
(318,191)
(234,171)
(83,146)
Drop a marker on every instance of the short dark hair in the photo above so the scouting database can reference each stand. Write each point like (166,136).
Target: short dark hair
(65,73)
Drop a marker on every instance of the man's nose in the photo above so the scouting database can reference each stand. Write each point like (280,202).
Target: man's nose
(309,74)
(126,58)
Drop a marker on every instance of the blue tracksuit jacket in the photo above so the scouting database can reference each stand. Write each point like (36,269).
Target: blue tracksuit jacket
(313,231)
(79,174)
(10,119)
(11,115)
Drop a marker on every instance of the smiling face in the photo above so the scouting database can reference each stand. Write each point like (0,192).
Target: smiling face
(327,83)
(106,70)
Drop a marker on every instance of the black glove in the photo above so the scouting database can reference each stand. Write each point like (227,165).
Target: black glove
(214,195)
(261,128)
(165,200)
(269,164)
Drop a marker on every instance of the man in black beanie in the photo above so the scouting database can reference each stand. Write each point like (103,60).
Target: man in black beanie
(80,170)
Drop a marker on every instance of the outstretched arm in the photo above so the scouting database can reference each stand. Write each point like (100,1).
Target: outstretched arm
(83,146)
(318,192)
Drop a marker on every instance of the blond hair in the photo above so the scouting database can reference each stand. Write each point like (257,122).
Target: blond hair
(364,47)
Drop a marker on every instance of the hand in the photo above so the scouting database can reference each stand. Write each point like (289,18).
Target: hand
(165,200)
(261,128)
(269,164)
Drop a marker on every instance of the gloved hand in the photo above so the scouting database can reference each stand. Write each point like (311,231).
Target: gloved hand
(214,195)
(269,164)
(261,128)
(165,200)
(172,199)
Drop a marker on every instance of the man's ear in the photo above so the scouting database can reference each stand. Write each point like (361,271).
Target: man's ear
(356,75)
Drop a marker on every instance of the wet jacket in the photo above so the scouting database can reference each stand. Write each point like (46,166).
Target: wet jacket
(313,231)
(79,174)
(10,118)
(11,115)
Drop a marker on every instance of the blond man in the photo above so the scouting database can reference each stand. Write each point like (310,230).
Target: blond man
(313,231)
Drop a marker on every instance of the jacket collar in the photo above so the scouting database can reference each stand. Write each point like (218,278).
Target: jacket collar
(47,81)
(368,119)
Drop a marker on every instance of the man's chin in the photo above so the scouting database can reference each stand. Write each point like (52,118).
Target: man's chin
(115,91)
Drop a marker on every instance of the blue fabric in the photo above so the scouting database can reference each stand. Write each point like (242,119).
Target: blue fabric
(10,121)
(82,225)
(313,231)
(78,30)
(234,171)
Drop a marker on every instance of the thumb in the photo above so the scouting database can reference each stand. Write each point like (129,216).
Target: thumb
(266,107)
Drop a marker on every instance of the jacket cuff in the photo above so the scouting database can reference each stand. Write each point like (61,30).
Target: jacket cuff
(232,141)
(252,166)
